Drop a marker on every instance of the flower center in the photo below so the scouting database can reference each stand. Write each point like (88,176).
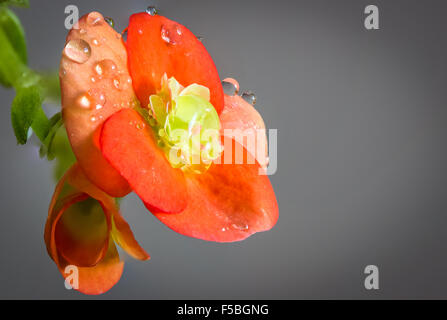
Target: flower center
(186,125)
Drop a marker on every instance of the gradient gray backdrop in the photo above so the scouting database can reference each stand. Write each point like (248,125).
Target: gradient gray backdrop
(361,118)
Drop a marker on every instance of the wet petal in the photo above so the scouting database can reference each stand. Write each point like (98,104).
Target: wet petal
(227,203)
(157,45)
(95,84)
(241,121)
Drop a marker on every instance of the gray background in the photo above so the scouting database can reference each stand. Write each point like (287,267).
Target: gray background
(362,162)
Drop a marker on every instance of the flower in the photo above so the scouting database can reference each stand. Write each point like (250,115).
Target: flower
(83,225)
(149,115)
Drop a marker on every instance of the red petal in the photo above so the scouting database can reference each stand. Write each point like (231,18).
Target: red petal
(90,95)
(227,203)
(128,143)
(157,45)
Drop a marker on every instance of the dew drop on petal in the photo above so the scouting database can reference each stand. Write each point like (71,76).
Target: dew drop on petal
(84,101)
(94,18)
(105,68)
(249,97)
(124,35)
(151,10)
(77,50)
(95,42)
(116,83)
(171,34)
(110,21)
(229,88)
(241,226)
(102,98)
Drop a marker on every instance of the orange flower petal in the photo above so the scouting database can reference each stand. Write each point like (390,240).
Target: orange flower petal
(227,203)
(157,45)
(128,143)
(95,83)
(100,278)
(82,232)
(125,238)
(239,116)
(83,240)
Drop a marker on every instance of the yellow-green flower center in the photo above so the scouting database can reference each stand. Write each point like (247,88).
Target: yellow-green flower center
(186,124)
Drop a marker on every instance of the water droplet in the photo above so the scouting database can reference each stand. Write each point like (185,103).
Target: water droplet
(82,31)
(242,226)
(102,98)
(140,31)
(97,98)
(124,35)
(93,119)
(94,18)
(200,38)
(116,83)
(110,21)
(105,68)
(77,50)
(95,42)
(171,34)
(229,88)
(84,101)
(249,97)
(98,69)
(151,10)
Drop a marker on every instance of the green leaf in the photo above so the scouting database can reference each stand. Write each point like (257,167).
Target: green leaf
(47,144)
(14,31)
(26,111)
(12,69)
(18,3)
